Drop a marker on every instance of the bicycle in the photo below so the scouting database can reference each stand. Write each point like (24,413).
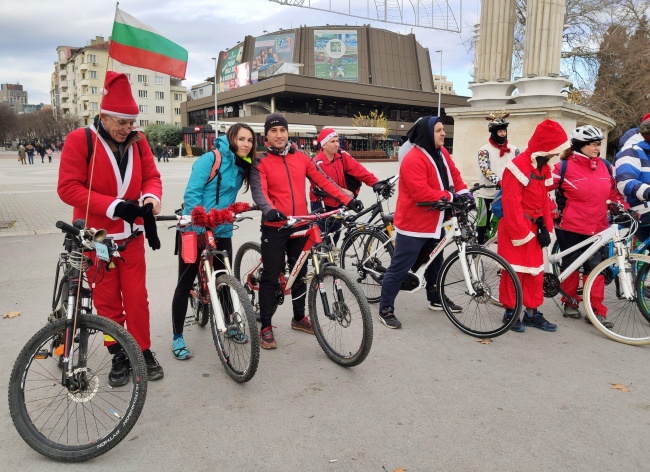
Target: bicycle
(471,272)
(343,324)
(627,318)
(60,397)
(232,319)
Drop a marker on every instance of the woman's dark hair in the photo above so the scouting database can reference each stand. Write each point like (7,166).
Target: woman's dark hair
(231,134)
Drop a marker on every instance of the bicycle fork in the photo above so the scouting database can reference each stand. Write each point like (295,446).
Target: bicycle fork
(214,299)
(321,287)
(469,270)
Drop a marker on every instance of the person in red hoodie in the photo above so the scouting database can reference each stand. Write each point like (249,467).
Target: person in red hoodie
(588,184)
(335,164)
(277,183)
(105,188)
(525,227)
(427,173)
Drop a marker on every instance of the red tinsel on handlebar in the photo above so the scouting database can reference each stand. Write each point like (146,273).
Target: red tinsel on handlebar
(219,217)
(199,216)
(239,207)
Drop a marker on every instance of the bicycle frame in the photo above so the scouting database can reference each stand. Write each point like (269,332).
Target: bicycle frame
(597,241)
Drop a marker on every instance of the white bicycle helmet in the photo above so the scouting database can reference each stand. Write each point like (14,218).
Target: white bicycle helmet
(586,134)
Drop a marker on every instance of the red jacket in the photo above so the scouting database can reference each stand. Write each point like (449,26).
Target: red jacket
(336,169)
(587,190)
(278,182)
(525,192)
(142,179)
(419,181)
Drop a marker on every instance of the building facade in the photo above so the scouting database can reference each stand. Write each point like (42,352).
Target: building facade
(325,76)
(14,96)
(78,81)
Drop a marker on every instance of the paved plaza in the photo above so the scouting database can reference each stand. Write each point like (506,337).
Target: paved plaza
(427,398)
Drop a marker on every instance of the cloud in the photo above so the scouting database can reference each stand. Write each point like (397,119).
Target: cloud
(32,30)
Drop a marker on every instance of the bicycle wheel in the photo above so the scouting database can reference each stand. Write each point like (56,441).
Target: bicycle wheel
(366,256)
(239,345)
(482,314)
(340,316)
(642,289)
(248,270)
(200,311)
(630,325)
(87,418)
(492,243)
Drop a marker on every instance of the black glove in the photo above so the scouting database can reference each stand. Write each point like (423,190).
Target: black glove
(274,216)
(128,211)
(543,236)
(466,199)
(355,205)
(378,187)
(150,228)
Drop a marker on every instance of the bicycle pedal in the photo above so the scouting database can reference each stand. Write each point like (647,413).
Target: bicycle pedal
(42,354)
(189,321)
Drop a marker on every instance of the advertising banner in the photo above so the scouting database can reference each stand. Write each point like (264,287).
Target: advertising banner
(229,60)
(272,52)
(336,55)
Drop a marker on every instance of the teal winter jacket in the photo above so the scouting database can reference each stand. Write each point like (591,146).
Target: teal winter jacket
(200,192)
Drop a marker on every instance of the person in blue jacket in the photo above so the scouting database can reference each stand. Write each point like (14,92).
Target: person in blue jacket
(237,150)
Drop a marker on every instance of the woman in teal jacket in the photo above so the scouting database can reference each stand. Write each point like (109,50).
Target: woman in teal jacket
(237,151)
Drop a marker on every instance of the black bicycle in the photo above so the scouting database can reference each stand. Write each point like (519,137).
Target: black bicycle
(60,396)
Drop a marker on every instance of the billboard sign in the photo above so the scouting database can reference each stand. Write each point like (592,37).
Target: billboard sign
(336,55)
(271,52)
(229,60)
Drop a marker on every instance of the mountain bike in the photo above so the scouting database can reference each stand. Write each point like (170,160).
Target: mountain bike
(60,399)
(628,318)
(338,310)
(470,276)
(232,319)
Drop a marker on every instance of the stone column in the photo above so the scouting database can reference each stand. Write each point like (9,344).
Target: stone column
(543,40)
(495,41)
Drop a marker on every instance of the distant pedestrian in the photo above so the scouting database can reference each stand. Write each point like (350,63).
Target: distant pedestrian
(159,151)
(22,154)
(170,153)
(30,152)
(40,149)
(48,151)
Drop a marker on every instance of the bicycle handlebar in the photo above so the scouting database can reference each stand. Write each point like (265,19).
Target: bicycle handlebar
(68,228)
(293,220)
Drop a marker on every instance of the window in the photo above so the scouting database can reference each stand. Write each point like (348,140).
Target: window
(91,58)
(177,111)
(200,91)
(94,90)
(143,123)
(178,97)
(160,122)
(160,80)
(94,106)
(160,95)
(144,109)
(92,74)
(128,76)
(142,79)
(160,109)
(142,93)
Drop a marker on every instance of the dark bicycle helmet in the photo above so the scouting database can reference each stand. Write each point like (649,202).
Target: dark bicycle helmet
(586,134)
(497,124)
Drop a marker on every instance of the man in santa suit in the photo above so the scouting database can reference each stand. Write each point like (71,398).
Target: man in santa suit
(117,174)
(526,225)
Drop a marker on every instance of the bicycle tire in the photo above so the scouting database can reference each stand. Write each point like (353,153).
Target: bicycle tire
(239,345)
(200,311)
(630,325)
(492,243)
(346,335)
(94,419)
(247,269)
(355,249)
(482,315)
(642,288)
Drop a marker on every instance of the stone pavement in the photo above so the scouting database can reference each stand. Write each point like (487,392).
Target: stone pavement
(427,397)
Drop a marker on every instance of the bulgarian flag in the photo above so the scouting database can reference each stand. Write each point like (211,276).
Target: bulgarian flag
(136,44)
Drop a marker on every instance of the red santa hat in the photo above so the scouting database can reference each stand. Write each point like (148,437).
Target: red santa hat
(547,139)
(118,99)
(325,135)
(646,117)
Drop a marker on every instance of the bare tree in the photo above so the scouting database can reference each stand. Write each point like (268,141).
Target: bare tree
(8,123)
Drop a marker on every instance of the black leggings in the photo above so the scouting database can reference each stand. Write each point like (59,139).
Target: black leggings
(187,274)
(275,244)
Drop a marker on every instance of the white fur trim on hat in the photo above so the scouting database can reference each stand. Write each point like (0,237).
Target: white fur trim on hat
(558,150)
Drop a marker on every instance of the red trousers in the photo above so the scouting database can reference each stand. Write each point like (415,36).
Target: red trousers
(570,286)
(532,287)
(120,293)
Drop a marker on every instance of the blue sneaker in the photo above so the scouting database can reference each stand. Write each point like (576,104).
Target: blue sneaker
(179,349)
(537,320)
(518,326)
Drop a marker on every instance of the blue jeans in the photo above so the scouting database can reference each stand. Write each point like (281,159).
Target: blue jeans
(406,256)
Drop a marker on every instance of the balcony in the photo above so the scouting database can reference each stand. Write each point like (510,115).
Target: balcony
(63,95)
(63,83)
(83,66)
(85,113)
(83,83)
(63,74)
(66,106)
(85,98)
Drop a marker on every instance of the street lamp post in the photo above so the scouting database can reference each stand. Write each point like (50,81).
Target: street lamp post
(440,82)
(216,85)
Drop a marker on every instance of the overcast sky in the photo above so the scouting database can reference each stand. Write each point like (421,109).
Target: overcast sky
(31,30)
